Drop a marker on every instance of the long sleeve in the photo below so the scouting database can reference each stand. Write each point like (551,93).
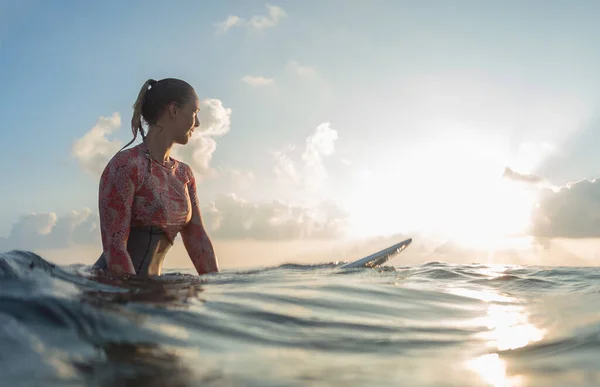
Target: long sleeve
(195,238)
(117,189)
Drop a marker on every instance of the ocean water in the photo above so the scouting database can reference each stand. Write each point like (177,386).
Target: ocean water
(436,324)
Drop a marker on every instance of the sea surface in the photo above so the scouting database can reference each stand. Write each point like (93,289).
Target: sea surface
(436,324)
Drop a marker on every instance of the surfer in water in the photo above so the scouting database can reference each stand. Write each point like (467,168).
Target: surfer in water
(146,198)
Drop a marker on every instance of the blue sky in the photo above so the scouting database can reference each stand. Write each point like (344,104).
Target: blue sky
(422,105)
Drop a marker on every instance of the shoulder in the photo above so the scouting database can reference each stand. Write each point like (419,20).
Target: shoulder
(184,170)
(128,161)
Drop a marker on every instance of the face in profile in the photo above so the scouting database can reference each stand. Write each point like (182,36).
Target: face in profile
(186,120)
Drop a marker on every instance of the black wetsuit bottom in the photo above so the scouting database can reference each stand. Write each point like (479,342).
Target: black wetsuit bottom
(143,246)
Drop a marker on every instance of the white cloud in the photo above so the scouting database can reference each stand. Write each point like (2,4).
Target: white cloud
(257,81)
(520,177)
(197,153)
(284,168)
(313,173)
(95,149)
(320,143)
(228,23)
(257,22)
(230,217)
(215,120)
(271,20)
(573,211)
(47,230)
(302,70)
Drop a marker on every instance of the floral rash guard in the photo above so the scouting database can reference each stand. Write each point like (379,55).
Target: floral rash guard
(137,191)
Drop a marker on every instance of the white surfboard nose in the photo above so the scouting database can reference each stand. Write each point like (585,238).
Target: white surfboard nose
(380,257)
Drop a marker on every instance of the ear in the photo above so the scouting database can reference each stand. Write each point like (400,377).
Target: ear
(171,110)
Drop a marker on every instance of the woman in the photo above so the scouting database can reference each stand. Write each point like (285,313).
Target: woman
(146,197)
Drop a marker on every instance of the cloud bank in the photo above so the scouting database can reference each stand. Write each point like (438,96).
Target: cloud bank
(228,217)
(48,230)
(573,211)
(231,217)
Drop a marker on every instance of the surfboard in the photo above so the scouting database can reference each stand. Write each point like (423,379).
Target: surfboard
(380,257)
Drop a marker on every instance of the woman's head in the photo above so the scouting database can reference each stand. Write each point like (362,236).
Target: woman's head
(171,104)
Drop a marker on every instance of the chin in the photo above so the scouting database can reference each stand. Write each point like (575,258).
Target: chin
(182,140)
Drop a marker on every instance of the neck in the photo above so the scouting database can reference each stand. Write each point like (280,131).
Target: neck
(158,143)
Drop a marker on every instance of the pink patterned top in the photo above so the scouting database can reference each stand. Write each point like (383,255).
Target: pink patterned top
(136,190)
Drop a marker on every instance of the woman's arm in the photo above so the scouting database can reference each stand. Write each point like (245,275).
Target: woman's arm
(117,189)
(195,238)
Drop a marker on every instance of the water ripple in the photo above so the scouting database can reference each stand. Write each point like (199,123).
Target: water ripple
(300,324)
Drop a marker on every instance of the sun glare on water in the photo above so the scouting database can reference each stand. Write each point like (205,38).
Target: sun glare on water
(508,327)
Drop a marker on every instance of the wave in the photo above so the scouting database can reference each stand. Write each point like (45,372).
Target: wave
(69,325)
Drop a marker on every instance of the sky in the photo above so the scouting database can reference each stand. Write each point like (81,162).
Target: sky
(329,129)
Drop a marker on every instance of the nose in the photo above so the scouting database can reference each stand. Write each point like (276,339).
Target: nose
(197,123)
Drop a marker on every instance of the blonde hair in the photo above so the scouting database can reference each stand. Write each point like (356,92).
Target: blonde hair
(136,119)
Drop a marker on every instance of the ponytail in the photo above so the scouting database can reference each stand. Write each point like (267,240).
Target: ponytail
(136,119)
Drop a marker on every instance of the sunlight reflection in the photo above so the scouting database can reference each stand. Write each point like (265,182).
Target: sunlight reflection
(492,369)
(174,331)
(63,369)
(54,358)
(508,328)
(483,295)
(494,270)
